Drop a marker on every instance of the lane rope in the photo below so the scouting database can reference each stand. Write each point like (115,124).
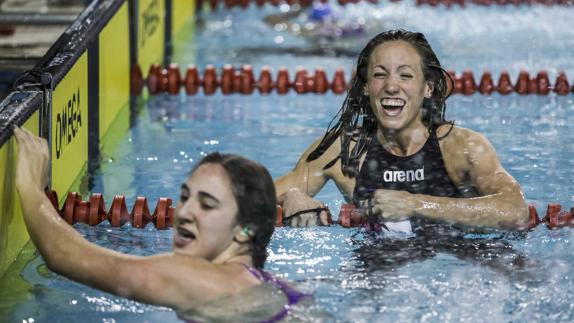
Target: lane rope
(555,218)
(231,80)
(93,212)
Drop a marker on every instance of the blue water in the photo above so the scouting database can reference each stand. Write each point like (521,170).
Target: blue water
(480,278)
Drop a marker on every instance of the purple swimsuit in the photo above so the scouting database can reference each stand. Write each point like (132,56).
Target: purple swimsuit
(293,296)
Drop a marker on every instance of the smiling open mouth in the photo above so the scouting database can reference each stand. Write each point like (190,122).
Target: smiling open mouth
(392,107)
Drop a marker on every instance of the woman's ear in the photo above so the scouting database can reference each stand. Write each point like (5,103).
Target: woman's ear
(365,90)
(429,88)
(243,234)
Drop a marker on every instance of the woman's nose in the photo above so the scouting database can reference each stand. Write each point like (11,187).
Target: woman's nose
(391,85)
(186,210)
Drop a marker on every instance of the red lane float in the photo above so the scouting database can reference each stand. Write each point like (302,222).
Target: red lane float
(556,218)
(209,80)
(542,83)
(247,80)
(468,84)
(486,85)
(265,81)
(300,83)
(561,87)
(282,81)
(163,81)
(93,211)
(321,82)
(191,82)
(456,85)
(339,86)
(153,79)
(279,219)
(173,79)
(227,79)
(351,216)
(97,209)
(522,85)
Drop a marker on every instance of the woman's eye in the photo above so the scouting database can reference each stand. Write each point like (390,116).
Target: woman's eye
(406,76)
(183,197)
(379,75)
(206,206)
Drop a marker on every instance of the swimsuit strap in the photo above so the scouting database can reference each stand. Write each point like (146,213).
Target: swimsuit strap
(293,296)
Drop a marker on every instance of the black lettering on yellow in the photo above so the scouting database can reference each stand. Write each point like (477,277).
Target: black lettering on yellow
(68,123)
(79,115)
(58,139)
(150,21)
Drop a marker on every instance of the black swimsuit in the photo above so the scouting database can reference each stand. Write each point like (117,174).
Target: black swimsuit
(421,173)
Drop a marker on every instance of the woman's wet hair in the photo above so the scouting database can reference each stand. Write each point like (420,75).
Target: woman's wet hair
(254,192)
(356,121)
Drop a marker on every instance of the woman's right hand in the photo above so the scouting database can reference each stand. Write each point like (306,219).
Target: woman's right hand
(296,201)
(33,161)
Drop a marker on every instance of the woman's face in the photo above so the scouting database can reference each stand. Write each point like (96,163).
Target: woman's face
(396,86)
(205,218)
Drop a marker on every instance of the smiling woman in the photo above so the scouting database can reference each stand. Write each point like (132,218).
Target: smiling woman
(223,223)
(391,150)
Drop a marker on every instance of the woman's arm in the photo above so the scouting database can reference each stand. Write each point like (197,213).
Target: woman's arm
(471,161)
(296,188)
(307,177)
(167,279)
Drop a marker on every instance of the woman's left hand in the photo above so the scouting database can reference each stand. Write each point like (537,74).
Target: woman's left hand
(393,206)
(33,161)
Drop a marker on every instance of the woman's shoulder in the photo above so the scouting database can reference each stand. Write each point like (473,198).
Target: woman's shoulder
(450,135)
(461,146)
(271,300)
(322,151)
(333,148)
(255,304)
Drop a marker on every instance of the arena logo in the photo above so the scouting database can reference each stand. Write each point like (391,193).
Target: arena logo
(150,21)
(404,176)
(68,123)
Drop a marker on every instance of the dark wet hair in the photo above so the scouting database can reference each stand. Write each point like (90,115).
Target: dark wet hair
(355,121)
(254,193)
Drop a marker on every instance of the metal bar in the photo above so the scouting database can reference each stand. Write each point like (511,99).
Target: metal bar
(37,19)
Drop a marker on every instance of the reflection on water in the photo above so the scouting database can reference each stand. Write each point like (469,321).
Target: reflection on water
(494,253)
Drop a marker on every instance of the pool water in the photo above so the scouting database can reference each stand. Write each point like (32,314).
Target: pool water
(354,276)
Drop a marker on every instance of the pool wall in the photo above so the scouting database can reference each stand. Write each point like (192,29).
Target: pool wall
(78,97)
